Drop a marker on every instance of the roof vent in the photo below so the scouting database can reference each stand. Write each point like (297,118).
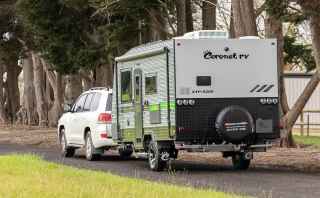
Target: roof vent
(206,34)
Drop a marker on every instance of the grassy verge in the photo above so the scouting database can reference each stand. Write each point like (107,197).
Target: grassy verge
(29,176)
(308,140)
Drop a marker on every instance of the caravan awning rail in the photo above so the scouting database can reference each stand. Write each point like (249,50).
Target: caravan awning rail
(144,54)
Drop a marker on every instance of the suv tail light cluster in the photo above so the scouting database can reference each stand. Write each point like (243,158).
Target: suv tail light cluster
(105,118)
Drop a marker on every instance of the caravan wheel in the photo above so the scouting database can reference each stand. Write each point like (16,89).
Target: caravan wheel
(154,157)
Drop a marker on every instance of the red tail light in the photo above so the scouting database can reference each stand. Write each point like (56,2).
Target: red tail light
(105,118)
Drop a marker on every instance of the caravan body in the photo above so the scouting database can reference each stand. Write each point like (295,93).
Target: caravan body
(207,94)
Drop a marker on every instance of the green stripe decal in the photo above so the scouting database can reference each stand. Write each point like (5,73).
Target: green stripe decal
(164,105)
(154,107)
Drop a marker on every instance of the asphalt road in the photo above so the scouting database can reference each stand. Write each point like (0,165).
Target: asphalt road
(257,182)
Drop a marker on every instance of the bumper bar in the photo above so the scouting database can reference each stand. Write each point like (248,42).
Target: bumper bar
(223,147)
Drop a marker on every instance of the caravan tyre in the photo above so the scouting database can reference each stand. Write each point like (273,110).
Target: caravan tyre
(154,157)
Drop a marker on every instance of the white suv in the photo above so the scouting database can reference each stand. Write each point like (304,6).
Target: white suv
(87,124)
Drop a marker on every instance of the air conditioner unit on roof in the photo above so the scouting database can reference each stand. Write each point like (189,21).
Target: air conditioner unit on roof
(206,34)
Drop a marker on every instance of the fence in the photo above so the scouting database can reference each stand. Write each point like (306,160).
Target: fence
(306,122)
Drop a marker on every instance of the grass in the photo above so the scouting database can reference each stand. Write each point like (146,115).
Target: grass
(308,140)
(26,176)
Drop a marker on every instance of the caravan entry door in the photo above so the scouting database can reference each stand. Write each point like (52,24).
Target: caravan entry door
(138,104)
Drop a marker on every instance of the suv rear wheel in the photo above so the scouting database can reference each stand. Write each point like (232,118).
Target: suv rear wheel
(91,153)
(66,151)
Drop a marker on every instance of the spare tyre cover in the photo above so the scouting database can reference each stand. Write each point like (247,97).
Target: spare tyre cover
(234,124)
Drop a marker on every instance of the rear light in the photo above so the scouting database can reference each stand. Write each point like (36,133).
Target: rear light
(105,118)
(104,135)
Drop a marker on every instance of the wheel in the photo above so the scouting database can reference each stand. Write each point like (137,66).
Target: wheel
(240,162)
(65,150)
(154,157)
(91,153)
(125,152)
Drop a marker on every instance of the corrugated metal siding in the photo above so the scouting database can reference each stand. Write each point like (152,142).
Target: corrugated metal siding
(294,87)
(149,65)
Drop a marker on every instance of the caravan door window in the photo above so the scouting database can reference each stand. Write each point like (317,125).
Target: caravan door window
(151,84)
(126,87)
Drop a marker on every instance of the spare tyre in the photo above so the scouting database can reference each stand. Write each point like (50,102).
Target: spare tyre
(234,124)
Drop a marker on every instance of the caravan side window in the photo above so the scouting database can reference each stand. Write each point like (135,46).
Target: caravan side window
(151,84)
(126,87)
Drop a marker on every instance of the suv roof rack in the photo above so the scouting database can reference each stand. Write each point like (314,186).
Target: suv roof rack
(98,88)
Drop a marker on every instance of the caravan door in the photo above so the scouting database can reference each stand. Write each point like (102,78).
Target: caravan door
(138,104)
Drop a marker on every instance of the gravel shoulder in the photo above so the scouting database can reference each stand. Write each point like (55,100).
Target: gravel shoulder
(292,173)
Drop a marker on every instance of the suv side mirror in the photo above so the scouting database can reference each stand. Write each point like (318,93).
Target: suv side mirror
(67,108)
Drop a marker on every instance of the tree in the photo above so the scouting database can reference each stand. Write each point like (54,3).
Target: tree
(189,17)
(38,82)
(3,117)
(181,17)
(209,14)
(244,19)
(29,113)
(310,11)
(10,51)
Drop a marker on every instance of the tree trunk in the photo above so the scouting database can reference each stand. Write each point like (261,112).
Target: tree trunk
(12,91)
(189,18)
(73,88)
(3,117)
(249,17)
(100,76)
(273,28)
(55,80)
(237,19)
(104,76)
(291,117)
(244,19)
(29,93)
(157,29)
(38,82)
(209,14)
(231,25)
(181,17)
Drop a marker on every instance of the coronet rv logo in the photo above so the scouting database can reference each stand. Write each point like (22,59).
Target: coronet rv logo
(209,55)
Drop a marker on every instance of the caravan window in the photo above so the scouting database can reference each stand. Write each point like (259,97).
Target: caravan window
(151,84)
(126,87)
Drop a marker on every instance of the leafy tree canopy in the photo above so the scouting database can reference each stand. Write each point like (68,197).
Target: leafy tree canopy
(62,33)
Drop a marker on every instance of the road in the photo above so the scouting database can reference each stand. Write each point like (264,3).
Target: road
(257,182)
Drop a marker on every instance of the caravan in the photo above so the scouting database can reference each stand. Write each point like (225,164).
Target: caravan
(201,92)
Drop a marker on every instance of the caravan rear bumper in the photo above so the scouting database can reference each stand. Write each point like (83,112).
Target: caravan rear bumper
(223,147)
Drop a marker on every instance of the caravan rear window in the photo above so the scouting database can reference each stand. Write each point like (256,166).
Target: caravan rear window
(126,87)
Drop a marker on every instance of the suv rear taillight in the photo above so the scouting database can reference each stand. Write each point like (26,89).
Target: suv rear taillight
(105,118)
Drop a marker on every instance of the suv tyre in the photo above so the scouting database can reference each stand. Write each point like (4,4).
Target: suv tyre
(91,153)
(66,151)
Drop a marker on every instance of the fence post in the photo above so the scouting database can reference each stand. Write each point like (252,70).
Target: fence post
(302,124)
(308,126)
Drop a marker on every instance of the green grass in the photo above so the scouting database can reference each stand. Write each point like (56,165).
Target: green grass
(308,140)
(30,176)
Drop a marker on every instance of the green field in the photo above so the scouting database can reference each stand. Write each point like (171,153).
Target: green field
(308,140)
(26,176)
